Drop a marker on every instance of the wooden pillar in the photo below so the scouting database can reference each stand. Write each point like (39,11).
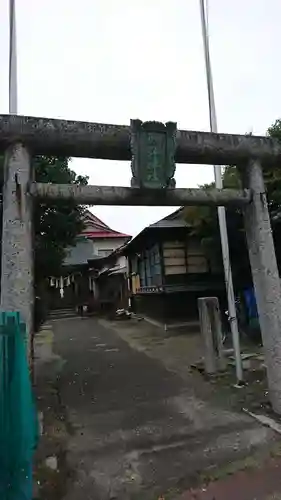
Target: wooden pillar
(265,277)
(17,253)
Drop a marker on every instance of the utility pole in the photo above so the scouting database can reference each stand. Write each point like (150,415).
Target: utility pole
(13,90)
(221,210)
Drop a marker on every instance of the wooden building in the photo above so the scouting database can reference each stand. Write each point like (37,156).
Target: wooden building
(76,285)
(109,282)
(168,271)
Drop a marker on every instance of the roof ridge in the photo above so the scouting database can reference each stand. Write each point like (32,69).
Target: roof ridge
(91,219)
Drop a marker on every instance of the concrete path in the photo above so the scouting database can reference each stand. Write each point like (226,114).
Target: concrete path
(136,429)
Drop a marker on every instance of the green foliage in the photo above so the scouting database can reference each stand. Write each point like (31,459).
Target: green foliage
(56,224)
(204,220)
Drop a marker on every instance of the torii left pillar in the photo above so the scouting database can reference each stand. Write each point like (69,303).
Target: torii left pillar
(17,252)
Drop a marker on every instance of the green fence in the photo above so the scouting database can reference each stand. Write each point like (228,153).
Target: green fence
(18,417)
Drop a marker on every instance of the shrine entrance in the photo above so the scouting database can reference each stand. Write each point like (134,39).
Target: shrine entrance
(154,149)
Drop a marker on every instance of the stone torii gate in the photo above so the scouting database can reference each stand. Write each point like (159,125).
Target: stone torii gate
(154,148)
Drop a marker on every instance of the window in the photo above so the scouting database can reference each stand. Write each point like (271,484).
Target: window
(105,252)
(142,273)
(156,270)
(174,258)
(181,259)
(149,267)
(196,259)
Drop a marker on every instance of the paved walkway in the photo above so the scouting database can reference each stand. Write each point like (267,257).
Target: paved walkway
(136,429)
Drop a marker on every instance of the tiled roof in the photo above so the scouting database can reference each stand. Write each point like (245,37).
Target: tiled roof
(95,228)
(104,234)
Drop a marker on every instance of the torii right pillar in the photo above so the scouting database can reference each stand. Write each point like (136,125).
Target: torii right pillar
(265,276)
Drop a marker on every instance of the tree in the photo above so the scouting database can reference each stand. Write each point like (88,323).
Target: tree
(205,221)
(56,224)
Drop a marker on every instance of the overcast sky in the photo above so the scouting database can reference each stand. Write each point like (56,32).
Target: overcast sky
(112,60)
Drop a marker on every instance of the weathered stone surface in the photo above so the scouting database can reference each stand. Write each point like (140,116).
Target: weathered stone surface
(98,140)
(110,195)
(265,277)
(17,253)
(211,330)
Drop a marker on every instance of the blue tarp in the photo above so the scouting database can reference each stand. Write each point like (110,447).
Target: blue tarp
(251,303)
(18,417)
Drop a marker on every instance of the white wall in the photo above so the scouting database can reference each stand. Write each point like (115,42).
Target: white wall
(107,244)
(87,249)
(121,263)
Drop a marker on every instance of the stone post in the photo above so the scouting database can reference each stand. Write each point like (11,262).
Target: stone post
(211,330)
(17,253)
(265,277)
